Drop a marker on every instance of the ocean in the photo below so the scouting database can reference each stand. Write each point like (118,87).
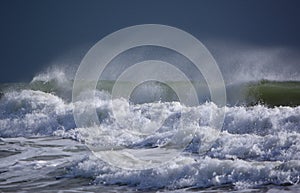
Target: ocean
(257,149)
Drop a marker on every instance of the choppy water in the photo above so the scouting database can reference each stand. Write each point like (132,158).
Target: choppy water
(41,149)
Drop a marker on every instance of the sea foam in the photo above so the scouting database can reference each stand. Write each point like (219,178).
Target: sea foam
(257,145)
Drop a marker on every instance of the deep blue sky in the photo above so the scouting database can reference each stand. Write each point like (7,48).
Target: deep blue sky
(35,33)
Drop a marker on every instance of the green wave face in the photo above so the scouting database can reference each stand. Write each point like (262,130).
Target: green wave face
(274,93)
(265,92)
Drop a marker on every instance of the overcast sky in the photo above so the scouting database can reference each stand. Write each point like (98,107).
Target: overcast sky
(35,34)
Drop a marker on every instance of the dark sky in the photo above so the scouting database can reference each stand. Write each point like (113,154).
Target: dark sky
(36,33)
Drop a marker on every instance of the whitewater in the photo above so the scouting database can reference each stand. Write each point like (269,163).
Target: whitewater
(42,150)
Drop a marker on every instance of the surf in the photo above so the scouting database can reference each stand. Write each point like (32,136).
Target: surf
(258,144)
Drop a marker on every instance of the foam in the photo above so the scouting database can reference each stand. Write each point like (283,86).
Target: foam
(30,113)
(258,145)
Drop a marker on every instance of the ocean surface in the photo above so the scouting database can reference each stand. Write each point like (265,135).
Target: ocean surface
(257,150)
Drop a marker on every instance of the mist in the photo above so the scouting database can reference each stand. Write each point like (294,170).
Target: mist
(238,61)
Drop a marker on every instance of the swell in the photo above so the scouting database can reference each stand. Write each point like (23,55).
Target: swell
(274,93)
(265,92)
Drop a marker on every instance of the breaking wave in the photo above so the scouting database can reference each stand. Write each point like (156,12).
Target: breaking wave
(258,144)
